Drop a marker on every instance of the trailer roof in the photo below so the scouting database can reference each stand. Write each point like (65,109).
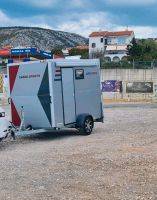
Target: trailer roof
(64,62)
(77,62)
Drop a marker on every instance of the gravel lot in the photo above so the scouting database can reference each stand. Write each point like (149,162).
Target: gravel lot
(117,162)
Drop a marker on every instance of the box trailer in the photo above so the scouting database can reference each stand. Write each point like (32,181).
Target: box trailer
(55,94)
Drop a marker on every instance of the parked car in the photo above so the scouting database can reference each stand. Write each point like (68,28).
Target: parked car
(3,124)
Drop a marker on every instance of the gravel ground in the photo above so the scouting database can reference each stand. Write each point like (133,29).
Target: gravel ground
(117,162)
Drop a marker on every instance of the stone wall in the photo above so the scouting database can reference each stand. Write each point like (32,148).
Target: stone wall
(130,75)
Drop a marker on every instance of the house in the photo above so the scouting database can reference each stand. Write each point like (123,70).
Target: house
(111,45)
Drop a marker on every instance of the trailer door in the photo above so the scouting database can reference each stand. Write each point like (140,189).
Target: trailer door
(68,95)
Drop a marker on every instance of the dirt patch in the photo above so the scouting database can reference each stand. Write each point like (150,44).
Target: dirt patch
(116,162)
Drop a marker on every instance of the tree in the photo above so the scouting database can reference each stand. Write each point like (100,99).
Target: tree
(144,50)
(134,50)
(57,51)
(82,52)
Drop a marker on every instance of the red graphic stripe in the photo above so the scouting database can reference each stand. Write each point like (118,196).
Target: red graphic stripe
(15,116)
(12,74)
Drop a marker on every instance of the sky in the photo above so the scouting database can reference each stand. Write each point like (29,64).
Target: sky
(82,16)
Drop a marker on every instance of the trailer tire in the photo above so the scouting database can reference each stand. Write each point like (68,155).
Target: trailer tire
(13,134)
(86,124)
(29,127)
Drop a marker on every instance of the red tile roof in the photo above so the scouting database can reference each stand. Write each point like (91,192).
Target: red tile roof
(6,47)
(100,33)
(106,33)
(82,47)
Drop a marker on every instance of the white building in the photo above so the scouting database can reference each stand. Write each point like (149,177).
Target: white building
(112,45)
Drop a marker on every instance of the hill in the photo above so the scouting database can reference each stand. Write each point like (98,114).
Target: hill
(39,37)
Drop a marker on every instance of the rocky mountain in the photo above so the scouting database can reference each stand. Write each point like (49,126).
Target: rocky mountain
(39,37)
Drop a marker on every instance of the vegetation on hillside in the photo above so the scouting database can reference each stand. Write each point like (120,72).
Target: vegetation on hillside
(38,37)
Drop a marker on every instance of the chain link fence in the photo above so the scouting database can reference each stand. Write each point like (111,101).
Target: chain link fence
(124,64)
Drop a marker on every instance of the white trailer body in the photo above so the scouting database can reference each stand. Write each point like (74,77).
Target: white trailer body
(54,93)
(3,124)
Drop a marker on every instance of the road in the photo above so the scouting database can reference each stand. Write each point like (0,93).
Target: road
(117,162)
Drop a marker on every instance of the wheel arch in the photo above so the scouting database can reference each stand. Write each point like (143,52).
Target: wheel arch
(81,117)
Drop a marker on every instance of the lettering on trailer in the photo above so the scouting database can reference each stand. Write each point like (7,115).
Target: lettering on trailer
(91,73)
(30,76)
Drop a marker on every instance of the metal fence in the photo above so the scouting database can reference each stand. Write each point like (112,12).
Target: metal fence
(124,64)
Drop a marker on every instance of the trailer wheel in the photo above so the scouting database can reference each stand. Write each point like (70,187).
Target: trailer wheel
(87,125)
(29,127)
(13,134)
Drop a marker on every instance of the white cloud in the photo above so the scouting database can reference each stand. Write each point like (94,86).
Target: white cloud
(4,19)
(36,21)
(145,31)
(84,25)
(131,2)
(102,21)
